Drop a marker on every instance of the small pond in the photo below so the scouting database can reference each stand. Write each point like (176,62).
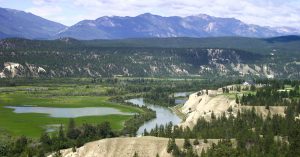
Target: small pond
(69,112)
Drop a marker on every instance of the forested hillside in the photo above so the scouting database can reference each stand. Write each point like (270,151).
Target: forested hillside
(204,57)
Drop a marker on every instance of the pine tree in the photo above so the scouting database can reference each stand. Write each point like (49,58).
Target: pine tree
(135,154)
(145,132)
(71,124)
(237,99)
(294,139)
(45,139)
(170,145)
(72,131)
(213,116)
(187,144)
(196,142)
(176,151)
(61,133)
(41,153)
(73,149)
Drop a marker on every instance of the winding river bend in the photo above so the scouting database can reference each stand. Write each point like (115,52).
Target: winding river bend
(163,115)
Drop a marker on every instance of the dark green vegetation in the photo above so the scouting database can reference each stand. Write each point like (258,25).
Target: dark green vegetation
(274,136)
(161,91)
(207,57)
(73,137)
(284,44)
(275,93)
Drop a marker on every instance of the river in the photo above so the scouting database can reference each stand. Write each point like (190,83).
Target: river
(163,114)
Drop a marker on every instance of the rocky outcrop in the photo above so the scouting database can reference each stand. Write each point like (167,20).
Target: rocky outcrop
(203,105)
(12,70)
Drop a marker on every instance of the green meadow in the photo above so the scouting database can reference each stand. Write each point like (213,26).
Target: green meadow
(60,96)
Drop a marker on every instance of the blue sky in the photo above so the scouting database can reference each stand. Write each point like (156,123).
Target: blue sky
(275,13)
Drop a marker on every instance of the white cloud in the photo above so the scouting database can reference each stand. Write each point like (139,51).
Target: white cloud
(266,12)
(45,11)
(43,2)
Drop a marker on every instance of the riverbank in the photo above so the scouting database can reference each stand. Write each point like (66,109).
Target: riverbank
(177,110)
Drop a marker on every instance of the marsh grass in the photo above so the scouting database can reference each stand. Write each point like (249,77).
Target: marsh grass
(64,96)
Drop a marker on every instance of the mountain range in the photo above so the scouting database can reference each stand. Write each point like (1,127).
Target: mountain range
(15,23)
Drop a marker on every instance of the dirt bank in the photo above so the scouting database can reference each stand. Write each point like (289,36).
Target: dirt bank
(146,146)
(203,105)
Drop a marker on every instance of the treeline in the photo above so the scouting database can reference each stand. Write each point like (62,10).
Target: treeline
(276,83)
(157,91)
(161,96)
(274,93)
(229,127)
(73,137)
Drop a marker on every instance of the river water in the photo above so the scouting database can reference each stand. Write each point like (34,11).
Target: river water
(163,115)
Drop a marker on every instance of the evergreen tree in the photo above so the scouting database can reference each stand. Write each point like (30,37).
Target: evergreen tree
(294,139)
(41,153)
(61,133)
(73,149)
(237,99)
(45,139)
(145,132)
(213,116)
(72,131)
(176,151)
(20,144)
(186,144)
(171,144)
(135,154)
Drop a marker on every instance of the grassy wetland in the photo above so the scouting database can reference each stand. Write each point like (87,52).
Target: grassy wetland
(56,96)
(83,93)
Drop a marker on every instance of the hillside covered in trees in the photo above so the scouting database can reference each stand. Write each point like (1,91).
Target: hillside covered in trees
(205,57)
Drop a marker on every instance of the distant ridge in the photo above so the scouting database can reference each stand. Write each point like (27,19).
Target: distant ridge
(15,23)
